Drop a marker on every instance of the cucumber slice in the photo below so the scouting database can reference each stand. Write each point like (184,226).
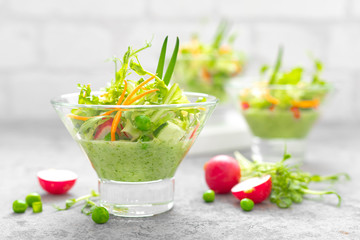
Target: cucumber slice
(170,132)
(158,130)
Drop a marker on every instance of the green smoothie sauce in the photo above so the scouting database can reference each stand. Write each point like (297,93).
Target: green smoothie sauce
(135,161)
(279,123)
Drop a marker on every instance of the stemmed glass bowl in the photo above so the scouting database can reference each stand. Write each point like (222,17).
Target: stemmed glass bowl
(136,178)
(279,116)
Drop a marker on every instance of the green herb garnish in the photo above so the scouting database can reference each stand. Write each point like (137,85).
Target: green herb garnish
(98,214)
(72,201)
(289,183)
(171,66)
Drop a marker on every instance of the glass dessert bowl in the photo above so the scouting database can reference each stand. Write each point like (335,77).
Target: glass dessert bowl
(279,116)
(281,108)
(136,170)
(136,132)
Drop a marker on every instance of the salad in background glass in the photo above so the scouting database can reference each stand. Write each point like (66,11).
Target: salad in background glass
(207,68)
(136,132)
(281,108)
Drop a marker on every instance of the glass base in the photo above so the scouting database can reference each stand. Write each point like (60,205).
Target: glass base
(272,150)
(137,199)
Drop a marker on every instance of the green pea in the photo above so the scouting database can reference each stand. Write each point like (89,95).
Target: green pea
(32,197)
(37,207)
(143,122)
(209,196)
(247,204)
(19,206)
(100,215)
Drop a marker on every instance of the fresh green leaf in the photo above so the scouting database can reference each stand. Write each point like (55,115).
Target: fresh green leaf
(171,66)
(137,68)
(277,66)
(160,66)
(72,201)
(293,77)
(289,183)
(264,69)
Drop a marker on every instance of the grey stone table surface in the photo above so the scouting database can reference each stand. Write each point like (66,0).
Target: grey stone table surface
(27,147)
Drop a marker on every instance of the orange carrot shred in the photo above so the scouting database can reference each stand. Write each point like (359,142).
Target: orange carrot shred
(115,124)
(122,94)
(137,88)
(306,103)
(78,117)
(140,96)
(117,117)
(271,99)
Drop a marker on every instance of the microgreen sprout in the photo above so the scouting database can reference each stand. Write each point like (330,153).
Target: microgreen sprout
(99,214)
(289,183)
(72,201)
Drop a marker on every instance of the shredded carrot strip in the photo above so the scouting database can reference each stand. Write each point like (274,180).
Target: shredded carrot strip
(128,101)
(306,103)
(205,74)
(122,94)
(78,117)
(107,113)
(114,125)
(271,99)
(137,88)
(140,96)
(117,117)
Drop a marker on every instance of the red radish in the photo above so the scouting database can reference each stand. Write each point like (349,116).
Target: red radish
(104,129)
(194,131)
(257,189)
(296,112)
(56,181)
(222,172)
(245,105)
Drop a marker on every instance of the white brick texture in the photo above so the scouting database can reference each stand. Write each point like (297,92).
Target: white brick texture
(296,40)
(4,98)
(344,47)
(355,8)
(294,9)
(145,30)
(79,8)
(18,45)
(76,46)
(39,87)
(357,97)
(340,105)
(183,9)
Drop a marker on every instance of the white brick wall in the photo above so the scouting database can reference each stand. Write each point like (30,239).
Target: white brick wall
(48,46)
(18,45)
(355,9)
(293,9)
(79,8)
(297,40)
(184,9)
(340,104)
(344,49)
(356,103)
(31,92)
(75,46)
